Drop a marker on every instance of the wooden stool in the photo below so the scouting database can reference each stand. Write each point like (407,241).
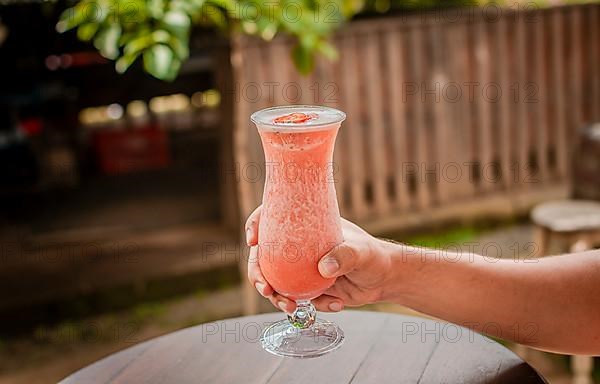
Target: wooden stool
(576,222)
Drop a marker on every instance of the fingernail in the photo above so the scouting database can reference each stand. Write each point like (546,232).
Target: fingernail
(260,287)
(248,235)
(281,305)
(329,266)
(335,306)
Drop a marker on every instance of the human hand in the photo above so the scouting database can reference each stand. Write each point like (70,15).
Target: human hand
(360,263)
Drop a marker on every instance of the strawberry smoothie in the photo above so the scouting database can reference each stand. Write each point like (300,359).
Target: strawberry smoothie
(300,219)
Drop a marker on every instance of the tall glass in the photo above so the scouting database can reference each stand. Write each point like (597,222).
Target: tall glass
(300,222)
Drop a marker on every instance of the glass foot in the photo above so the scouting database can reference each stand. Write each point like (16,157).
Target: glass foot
(284,339)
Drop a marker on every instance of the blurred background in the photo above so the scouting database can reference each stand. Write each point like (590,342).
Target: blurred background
(128,163)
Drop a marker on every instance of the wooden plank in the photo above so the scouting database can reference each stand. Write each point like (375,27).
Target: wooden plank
(394,45)
(464,121)
(381,367)
(430,171)
(441,116)
(594,16)
(245,153)
(484,111)
(242,144)
(278,79)
(328,83)
(351,98)
(522,139)
(254,171)
(541,105)
(559,87)
(376,137)
(504,108)
(306,83)
(575,69)
(417,50)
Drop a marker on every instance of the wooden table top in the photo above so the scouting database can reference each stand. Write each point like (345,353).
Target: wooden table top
(379,348)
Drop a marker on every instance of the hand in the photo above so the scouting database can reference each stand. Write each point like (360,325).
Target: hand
(360,263)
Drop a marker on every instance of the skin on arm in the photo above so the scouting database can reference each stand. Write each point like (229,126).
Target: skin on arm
(552,303)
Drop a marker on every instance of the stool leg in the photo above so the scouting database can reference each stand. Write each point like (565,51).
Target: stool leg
(582,369)
(541,238)
(582,366)
(579,245)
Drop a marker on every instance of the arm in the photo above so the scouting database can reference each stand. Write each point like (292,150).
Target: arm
(551,303)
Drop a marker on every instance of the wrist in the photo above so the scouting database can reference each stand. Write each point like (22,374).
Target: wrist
(402,273)
(396,274)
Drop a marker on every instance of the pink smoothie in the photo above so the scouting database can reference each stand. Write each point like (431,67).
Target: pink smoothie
(300,219)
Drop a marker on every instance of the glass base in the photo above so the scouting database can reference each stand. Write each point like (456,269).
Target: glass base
(283,339)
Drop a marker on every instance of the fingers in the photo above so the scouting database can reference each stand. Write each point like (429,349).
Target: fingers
(257,279)
(255,276)
(282,303)
(339,261)
(252,227)
(326,303)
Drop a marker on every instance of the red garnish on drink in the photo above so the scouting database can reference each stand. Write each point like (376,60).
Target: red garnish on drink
(295,118)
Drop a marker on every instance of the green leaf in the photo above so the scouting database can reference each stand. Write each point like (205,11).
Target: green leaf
(125,62)
(178,22)
(228,5)
(161,36)
(177,19)
(107,41)
(303,59)
(87,31)
(309,41)
(327,50)
(211,14)
(180,47)
(138,44)
(185,6)
(158,61)
(66,21)
(197,4)
(173,70)
(156,8)
(159,30)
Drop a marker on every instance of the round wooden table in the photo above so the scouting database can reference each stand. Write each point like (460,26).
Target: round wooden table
(379,348)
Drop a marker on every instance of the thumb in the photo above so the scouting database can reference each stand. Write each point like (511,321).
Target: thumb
(339,261)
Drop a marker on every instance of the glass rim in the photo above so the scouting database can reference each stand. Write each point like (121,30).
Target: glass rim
(255,118)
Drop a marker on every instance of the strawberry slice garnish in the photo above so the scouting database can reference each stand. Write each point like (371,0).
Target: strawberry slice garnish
(295,118)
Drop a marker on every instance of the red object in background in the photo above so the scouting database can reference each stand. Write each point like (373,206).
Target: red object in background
(132,150)
(31,126)
(83,59)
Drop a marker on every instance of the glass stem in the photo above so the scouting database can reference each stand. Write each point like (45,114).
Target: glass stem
(304,316)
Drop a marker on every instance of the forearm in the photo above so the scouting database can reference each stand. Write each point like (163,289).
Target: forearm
(551,303)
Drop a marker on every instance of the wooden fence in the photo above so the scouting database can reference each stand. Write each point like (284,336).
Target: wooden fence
(450,112)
